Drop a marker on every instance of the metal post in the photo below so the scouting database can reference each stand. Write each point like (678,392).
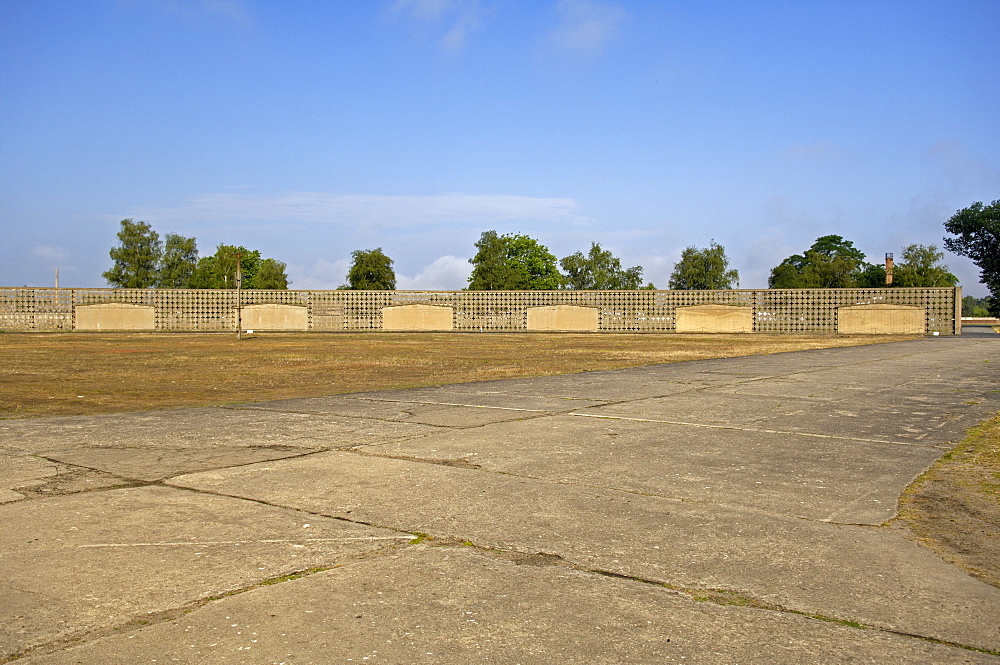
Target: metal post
(239,296)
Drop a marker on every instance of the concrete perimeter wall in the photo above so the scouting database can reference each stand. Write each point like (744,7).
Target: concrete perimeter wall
(821,311)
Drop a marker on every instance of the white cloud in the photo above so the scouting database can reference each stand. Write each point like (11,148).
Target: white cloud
(459,17)
(323,275)
(370,211)
(587,26)
(447,273)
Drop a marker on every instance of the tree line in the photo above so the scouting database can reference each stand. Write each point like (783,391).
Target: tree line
(518,262)
(514,262)
(143,261)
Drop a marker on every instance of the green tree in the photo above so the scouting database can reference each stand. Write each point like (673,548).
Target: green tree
(704,269)
(977,236)
(136,258)
(512,262)
(177,263)
(219,270)
(871,276)
(831,263)
(599,269)
(921,266)
(975,307)
(270,275)
(371,270)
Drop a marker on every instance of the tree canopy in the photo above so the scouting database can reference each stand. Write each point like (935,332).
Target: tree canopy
(975,307)
(177,263)
(142,261)
(512,262)
(599,269)
(831,263)
(921,266)
(976,232)
(704,269)
(136,258)
(371,270)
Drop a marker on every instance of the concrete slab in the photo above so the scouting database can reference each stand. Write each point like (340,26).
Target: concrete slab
(820,478)
(795,564)
(429,407)
(99,560)
(458,605)
(201,429)
(23,475)
(592,387)
(20,470)
(159,463)
(768,498)
(705,408)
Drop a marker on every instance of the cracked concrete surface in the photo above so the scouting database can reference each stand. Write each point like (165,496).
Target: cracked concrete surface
(712,511)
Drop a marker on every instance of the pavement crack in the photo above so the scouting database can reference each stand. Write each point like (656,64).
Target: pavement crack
(459,463)
(715,596)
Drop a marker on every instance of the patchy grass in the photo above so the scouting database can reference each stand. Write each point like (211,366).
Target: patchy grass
(954,508)
(81,374)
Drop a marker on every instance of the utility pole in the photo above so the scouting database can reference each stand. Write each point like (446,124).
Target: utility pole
(239,295)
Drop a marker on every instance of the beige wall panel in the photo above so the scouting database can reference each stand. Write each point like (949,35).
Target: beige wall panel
(714,319)
(115,316)
(880,320)
(417,317)
(275,317)
(562,318)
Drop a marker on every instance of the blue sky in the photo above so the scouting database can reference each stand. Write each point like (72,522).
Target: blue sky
(310,129)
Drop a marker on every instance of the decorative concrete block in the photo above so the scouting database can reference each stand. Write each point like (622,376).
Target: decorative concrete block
(428,318)
(275,317)
(714,319)
(563,318)
(114,316)
(881,320)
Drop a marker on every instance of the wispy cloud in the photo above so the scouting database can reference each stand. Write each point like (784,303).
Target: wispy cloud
(586,27)
(371,211)
(458,18)
(49,253)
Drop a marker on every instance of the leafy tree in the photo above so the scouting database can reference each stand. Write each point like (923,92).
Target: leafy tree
(219,270)
(270,275)
(512,262)
(177,263)
(371,271)
(831,263)
(136,257)
(704,269)
(977,231)
(872,276)
(975,307)
(599,269)
(921,267)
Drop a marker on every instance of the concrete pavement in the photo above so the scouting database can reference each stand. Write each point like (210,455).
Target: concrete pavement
(722,511)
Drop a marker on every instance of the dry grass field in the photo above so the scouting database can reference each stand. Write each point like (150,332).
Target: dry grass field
(84,374)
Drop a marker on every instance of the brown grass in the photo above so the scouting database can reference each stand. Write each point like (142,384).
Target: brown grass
(80,374)
(954,508)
